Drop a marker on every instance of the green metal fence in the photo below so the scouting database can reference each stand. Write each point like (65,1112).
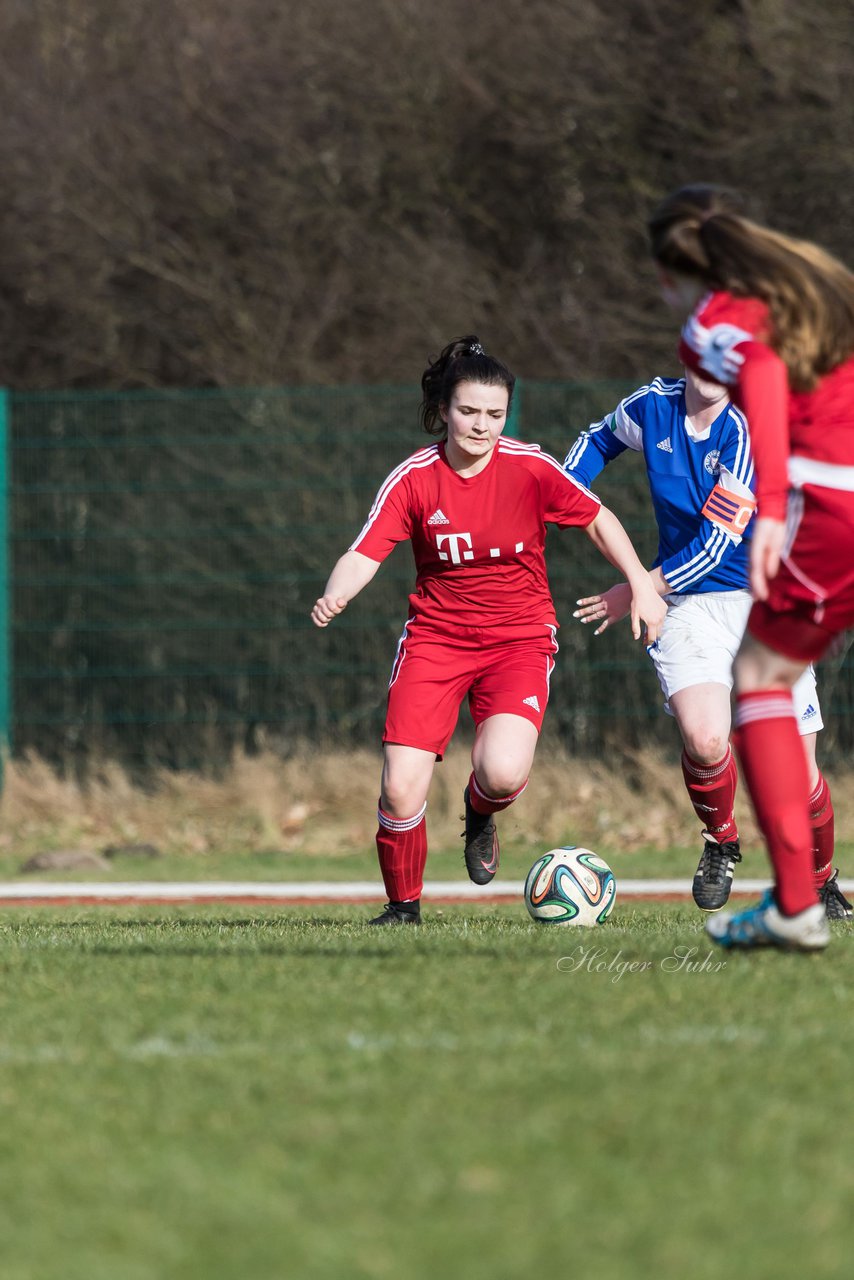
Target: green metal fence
(162,552)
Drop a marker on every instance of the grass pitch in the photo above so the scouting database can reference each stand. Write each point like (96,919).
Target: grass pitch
(223,1093)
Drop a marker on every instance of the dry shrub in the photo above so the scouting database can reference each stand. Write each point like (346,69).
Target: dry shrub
(313,803)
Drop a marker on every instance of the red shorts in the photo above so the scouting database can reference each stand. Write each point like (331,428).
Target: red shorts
(811,600)
(432,673)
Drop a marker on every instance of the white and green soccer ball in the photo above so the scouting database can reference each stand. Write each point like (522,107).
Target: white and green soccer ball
(570,886)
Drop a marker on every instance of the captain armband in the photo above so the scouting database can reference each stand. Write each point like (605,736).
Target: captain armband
(730,511)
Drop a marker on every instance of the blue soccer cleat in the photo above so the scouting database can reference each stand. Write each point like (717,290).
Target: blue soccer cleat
(765,926)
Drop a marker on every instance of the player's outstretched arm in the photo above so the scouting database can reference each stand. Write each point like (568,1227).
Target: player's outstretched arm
(647,607)
(352,572)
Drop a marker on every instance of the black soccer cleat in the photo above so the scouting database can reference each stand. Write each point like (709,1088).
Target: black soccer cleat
(399,913)
(836,905)
(713,877)
(481,852)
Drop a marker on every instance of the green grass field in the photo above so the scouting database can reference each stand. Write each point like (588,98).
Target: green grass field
(256,1093)
(444,863)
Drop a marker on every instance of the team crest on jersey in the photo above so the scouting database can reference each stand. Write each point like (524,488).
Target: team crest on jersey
(712,462)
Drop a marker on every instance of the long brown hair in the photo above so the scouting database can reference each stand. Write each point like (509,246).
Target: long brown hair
(702,231)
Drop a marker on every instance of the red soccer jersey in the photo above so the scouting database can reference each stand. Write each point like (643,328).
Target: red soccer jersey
(478,541)
(727,338)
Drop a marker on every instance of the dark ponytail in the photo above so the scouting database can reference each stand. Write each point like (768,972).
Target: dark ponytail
(462,360)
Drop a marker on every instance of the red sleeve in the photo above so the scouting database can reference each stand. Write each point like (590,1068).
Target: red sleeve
(389,520)
(726,338)
(762,392)
(565,501)
(715,332)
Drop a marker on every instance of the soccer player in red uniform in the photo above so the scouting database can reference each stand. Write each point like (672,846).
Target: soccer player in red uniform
(482,622)
(773,319)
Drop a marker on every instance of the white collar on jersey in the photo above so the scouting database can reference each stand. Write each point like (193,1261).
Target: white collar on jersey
(693,434)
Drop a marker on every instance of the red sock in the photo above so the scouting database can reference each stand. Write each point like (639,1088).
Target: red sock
(402,850)
(821,821)
(483,803)
(775,770)
(712,791)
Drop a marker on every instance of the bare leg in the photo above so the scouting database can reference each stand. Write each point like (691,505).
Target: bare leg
(503,753)
(704,717)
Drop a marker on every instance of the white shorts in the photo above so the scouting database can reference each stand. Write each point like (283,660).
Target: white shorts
(700,638)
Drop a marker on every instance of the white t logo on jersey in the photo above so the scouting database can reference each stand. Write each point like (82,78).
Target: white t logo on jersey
(454,540)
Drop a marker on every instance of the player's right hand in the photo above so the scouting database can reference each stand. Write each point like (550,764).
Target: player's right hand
(327,608)
(765,551)
(606,609)
(648,614)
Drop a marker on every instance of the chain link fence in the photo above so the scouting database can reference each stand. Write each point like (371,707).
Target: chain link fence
(165,550)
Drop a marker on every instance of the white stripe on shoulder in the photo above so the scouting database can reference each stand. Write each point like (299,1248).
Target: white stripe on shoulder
(667,386)
(509,445)
(658,387)
(423,458)
(426,457)
(537,455)
(628,428)
(578,449)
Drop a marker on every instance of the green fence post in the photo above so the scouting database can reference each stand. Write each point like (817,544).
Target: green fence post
(514,418)
(5,595)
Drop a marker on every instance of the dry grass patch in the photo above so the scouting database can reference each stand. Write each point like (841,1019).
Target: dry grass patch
(326,803)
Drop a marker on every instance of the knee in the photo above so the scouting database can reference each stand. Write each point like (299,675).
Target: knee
(500,779)
(706,746)
(400,797)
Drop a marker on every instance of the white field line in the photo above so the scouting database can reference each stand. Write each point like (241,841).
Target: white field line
(319,891)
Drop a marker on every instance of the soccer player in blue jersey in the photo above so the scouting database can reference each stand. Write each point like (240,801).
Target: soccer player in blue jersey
(696,447)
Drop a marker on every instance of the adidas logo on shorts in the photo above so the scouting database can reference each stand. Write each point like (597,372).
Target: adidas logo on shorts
(532,702)
(438,517)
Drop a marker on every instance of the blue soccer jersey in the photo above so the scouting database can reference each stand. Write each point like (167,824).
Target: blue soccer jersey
(701,483)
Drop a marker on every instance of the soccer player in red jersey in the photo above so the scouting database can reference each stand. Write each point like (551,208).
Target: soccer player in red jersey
(772,318)
(482,622)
